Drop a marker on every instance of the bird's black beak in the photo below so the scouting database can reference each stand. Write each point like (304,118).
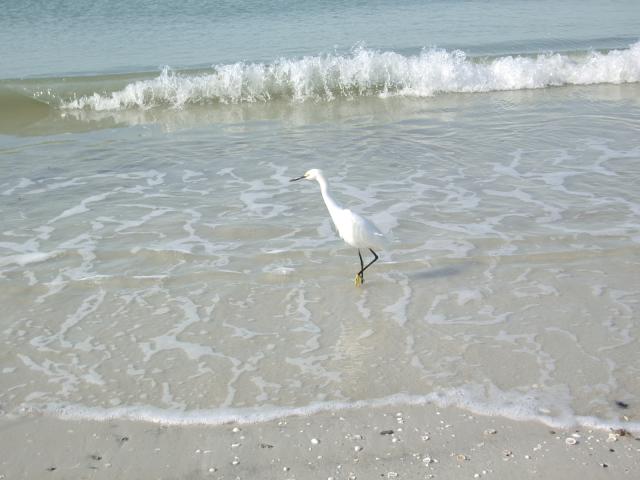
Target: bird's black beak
(296,179)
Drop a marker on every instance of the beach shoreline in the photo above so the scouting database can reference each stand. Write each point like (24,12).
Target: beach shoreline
(425,441)
(175,308)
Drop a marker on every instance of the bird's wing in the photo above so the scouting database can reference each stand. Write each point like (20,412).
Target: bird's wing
(363,232)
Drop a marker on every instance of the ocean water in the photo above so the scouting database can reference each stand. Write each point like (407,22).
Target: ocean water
(157,264)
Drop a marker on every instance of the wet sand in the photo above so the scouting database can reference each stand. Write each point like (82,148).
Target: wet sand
(408,442)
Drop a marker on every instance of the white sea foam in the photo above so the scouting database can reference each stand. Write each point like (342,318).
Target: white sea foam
(367,72)
(23,183)
(82,206)
(27,258)
(512,405)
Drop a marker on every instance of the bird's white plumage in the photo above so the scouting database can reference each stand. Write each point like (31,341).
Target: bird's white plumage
(359,232)
(354,229)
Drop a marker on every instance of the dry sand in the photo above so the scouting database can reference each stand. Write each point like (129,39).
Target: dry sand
(414,442)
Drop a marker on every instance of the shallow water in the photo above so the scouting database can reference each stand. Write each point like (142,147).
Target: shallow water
(156,264)
(168,270)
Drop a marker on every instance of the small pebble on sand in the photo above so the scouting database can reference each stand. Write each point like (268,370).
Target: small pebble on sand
(490,431)
(235,429)
(357,448)
(315,441)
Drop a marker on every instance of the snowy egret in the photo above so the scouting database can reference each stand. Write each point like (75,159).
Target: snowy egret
(355,230)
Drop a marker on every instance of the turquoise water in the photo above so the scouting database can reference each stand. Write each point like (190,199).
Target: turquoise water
(157,264)
(43,38)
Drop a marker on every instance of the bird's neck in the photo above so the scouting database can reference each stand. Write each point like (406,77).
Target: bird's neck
(332,206)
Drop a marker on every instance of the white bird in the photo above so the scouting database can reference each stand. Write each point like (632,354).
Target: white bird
(355,230)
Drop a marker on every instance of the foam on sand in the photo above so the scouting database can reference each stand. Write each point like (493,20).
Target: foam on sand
(518,407)
(26,258)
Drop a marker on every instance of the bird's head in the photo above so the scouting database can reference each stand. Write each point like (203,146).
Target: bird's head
(312,174)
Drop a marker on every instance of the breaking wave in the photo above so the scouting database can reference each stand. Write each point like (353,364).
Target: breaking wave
(366,72)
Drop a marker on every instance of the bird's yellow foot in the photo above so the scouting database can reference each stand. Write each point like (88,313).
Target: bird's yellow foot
(359,280)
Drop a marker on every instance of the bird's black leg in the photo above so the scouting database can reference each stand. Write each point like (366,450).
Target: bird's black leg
(363,268)
(371,262)
(360,274)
